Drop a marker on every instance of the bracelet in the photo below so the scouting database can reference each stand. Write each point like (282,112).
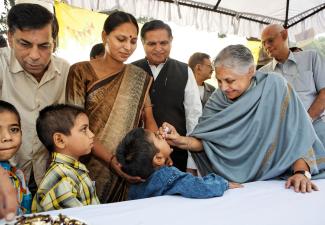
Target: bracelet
(111,159)
(148,106)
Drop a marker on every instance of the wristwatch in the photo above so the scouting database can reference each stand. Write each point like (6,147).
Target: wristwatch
(304,172)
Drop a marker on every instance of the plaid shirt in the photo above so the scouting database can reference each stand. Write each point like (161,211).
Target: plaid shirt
(66,184)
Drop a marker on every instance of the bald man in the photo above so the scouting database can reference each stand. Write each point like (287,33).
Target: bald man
(305,71)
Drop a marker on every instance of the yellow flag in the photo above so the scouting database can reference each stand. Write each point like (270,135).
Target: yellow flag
(254,46)
(79,28)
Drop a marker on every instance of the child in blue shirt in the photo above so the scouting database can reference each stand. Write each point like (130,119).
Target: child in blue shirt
(144,153)
(10,141)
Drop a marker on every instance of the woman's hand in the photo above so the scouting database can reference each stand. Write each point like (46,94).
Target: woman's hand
(301,183)
(117,167)
(171,135)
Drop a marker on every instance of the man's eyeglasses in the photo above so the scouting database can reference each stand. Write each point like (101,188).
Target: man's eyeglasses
(208,65)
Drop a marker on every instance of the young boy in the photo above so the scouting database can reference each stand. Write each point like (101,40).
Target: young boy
(10,141)
(64,130)
(143,153)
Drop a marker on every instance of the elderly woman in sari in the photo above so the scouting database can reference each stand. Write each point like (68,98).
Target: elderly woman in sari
(115,96)
(253,127)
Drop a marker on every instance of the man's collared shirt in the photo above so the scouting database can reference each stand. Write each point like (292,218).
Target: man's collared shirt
(65,185)
(29,96)
(305,71)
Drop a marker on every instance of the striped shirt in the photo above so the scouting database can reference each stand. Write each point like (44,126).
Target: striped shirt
(65,185)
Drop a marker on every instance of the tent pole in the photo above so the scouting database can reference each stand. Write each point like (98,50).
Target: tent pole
(216,6)
(287,15)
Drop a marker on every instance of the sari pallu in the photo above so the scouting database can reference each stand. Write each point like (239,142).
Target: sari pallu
(114,105)
(260,135)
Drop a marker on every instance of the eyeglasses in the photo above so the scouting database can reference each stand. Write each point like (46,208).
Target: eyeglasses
(208,65)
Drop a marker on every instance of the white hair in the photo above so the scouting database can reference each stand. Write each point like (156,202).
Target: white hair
(235,57)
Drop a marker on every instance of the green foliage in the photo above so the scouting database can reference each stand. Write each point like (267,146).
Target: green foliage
(3,16)
(318,44)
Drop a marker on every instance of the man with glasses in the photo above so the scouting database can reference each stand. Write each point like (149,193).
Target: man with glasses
(202,68)
(31,79)
(304,71)
(174,93)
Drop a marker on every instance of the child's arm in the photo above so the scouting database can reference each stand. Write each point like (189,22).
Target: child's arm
(190,186)
(8,197)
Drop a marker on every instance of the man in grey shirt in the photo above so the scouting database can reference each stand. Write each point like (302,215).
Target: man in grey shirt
(303,70)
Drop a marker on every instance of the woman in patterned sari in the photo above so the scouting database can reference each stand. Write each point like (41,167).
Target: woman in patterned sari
(115,96)
(254,127)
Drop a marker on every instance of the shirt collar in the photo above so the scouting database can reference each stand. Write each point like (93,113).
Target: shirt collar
(68,160)
(158,65)
(6,165)
(291,57)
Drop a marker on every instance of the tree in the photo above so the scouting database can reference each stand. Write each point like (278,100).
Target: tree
(318,44)
(3,16)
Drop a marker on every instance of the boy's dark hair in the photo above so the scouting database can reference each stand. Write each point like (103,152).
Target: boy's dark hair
(8,107)
(3,42)
(136,152)
(116,19)
(97,50)
(28,16)
(155,25)
(57,118)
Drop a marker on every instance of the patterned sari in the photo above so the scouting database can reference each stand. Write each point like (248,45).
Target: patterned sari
(114,105)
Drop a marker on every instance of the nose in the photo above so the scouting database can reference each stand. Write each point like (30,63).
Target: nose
(5,136)
(158,47)
(34,53)
(223,86)
(91,134)
(127,46)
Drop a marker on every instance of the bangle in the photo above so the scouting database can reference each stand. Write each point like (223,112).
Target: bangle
(148,106)
(111,159)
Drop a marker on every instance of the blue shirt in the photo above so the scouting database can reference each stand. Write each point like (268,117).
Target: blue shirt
(304,71)
(171,181)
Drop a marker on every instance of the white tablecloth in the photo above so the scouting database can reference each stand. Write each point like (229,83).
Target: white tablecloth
(258,203)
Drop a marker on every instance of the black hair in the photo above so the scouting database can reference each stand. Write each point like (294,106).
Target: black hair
(8,107)
(3,42)
(295,49)
(116,19)
(155,25)
(28,16)
(197,58)
(57,118)
(136,152)
(97,50)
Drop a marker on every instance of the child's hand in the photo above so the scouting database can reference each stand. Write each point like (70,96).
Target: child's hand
(233,185)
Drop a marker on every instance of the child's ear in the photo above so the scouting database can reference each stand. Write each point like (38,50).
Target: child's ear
(59,140)
(158,160)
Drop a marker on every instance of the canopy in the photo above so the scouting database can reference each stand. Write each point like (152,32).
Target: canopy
(303,18)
